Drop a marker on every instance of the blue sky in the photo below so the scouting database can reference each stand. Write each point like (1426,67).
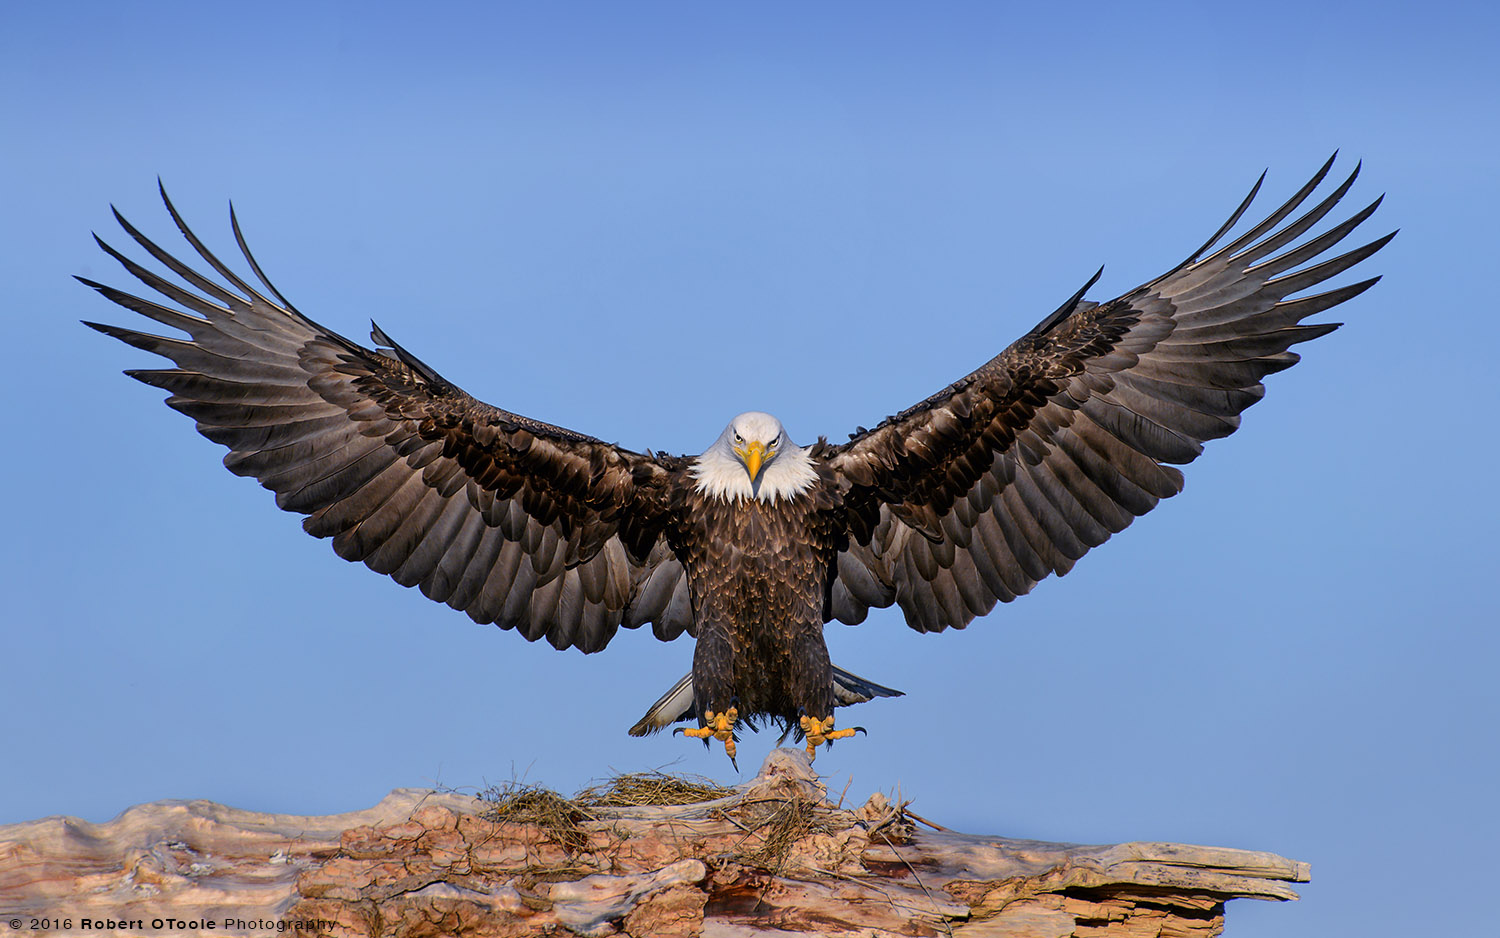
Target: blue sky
(595,214)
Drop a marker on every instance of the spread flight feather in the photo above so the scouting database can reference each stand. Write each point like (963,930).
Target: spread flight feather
(969,498)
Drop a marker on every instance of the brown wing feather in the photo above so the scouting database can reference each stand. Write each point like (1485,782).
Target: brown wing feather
(516,522)
(1015,471)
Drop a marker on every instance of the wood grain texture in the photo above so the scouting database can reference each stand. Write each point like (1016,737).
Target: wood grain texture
(775,857)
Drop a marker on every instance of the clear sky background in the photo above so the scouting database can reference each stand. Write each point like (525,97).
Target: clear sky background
(639,219)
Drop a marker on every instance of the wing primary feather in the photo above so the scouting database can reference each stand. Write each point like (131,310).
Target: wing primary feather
(1313,248)
(1305,306)
(239,238)
(181,351)
(1286,208)
(178,267)
(1296,228)
(1270,222)
(1302,279)
(165,315)
(1229,223)
(165,287)
(213,331)
(205,253)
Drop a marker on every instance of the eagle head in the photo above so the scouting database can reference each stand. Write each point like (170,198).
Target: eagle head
(753,458)
(754,438)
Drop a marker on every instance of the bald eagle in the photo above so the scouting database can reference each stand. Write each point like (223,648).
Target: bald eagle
(966,499)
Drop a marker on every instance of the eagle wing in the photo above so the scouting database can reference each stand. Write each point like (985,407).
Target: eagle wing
(520,523)
(1015,471)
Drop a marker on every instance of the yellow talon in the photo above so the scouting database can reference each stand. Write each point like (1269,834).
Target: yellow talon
(718,725)
(821,731)
(702,732)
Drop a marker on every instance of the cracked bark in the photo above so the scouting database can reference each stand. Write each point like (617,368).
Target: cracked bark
(425,863)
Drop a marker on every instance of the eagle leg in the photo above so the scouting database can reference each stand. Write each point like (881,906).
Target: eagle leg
(721,727)
(821,731)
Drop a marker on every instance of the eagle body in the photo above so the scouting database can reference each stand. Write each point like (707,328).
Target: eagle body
(969,498)
(758,575)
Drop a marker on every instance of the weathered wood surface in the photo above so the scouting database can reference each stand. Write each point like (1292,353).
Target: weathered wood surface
(775,858)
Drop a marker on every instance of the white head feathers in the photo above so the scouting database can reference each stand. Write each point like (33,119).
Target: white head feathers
(753,458)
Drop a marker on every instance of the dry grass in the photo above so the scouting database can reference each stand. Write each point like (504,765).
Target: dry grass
(774,826)
(520,803)
(771,826)
(563,819)
(646,789)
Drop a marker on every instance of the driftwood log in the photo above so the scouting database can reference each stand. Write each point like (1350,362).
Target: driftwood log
(773,857)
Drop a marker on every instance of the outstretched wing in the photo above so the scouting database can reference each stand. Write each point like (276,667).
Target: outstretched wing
(1016,470)
(516,522)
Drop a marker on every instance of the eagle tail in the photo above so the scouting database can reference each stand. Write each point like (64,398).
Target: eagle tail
(850,689)
(676,705)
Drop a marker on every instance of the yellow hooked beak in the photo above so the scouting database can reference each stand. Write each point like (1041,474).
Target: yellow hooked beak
(754,454)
